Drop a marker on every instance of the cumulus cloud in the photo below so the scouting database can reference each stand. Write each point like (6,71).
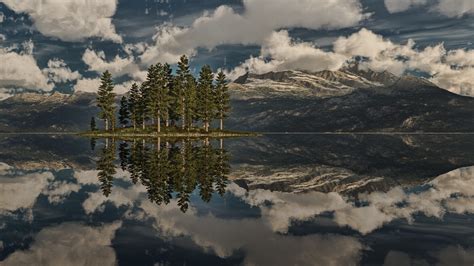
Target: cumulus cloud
(91,85)
(455,8)
(59,72)
(70,20)
(97,62)
(449,8)
(451,70)
(69,244)
(226,26)
(394,6)
(87,85)
(286,54)
(22,70)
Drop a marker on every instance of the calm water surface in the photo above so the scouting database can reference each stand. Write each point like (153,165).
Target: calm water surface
(271,200)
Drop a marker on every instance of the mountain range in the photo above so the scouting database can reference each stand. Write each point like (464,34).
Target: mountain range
(348,100)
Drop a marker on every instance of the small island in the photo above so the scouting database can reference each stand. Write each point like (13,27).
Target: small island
(166,105)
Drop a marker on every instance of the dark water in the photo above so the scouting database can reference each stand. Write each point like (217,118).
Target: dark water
(272,200)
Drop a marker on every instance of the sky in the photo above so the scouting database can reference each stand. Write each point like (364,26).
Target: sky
(64,45)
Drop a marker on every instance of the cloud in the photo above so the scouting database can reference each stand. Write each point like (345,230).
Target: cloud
(22,71)
(87,85)
(285,54)
(260,244)
(455,8)
(451,70)
(225,26)
(2,17)
(449,8)
(394,6)
(117,67)
(69,244)
(59,72)
(70,20)
(280,209)
(92,85)
(21,192)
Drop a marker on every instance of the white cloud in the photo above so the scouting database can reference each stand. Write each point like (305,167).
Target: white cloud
(69,244)
(59,72)
(21,192)
(70,20)
(449,8)
(2,17)
(455,8)
(92,85)
(226,26)
(394,6)
(22,71)
(117,67)
(87,85)
(286,54)
(451,70)
(3,38)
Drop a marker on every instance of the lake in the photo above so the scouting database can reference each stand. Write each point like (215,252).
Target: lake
(278,199)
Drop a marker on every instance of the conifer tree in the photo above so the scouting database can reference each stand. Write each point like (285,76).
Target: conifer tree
(145,99)
(181,80)
(134,105)
(124,114)
(106,100)
(206,107)
(190,112)
(221,99)
(168,83)
(93,124)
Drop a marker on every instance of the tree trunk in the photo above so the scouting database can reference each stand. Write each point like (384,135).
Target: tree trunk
(221,142)
(183,117)
(221,126)
(106,124)
(143,124)
(158,122)
(134,125)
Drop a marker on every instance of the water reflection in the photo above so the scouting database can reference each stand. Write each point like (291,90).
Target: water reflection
(324,201)
(167,169)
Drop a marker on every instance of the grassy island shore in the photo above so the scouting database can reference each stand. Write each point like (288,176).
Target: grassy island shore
(130,133)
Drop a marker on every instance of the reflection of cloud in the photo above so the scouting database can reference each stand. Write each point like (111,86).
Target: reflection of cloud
(451,255)
(261,245)
(20,192)
(451,192)
(69,244)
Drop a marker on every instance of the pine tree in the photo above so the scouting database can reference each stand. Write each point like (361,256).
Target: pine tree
(124,114)
(190,112)
(168,83)
(181,80)
(145,99)
(159,93)
(222,101)
(134,105)
(93,124)
(206,107)
(106,100)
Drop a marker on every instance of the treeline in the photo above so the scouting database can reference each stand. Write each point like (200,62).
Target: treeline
(167,99)
(168,170)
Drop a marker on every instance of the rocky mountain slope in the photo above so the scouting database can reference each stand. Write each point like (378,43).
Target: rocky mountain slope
(346,100)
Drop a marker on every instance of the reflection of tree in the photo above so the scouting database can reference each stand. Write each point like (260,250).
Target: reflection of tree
(168,170)
(124,153)
(106,167)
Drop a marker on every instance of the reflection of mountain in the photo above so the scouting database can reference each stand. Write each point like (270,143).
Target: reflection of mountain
(32,152)
(346,163)
(347,100)
(168,170)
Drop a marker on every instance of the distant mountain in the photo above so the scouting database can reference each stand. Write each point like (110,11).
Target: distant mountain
(346,100)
